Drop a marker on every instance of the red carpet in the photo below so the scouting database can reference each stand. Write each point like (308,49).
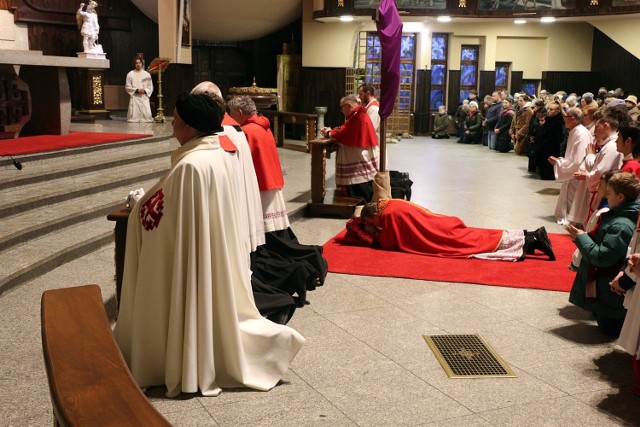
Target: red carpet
(536,272)
(40,143)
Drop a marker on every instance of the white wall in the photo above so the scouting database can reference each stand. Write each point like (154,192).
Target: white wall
(531,48)
(12,36)
(622,31)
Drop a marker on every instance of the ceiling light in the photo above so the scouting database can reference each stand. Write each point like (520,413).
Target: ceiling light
(520,21)
(444,19)
(346,18)
(547,19)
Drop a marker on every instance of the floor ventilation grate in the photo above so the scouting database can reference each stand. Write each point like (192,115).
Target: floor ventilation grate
(467,356)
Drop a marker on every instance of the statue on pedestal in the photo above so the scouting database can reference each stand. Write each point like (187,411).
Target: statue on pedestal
(89,28)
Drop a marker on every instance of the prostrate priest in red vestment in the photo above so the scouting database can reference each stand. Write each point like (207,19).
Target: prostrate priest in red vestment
(358,155)
(399,225)
(187,318)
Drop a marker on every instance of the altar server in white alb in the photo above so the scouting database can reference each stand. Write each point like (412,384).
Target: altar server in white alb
(139,87)
(187,319)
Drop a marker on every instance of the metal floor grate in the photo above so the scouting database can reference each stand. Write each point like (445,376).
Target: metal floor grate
(549,191)
(467,356)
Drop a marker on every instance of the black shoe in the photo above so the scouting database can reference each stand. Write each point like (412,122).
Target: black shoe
(541,234)
(543,243)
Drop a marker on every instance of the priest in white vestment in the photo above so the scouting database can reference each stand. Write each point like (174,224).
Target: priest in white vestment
(187,319)
(250,196)
(564,168)
(139,87)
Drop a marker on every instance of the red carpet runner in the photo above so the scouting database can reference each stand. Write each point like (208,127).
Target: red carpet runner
(40,143)
(536,272)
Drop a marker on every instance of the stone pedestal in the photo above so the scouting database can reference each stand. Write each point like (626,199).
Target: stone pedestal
(91,55)
(320,111)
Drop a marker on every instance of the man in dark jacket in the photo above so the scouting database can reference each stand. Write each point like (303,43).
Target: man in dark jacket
(551,135)
(491,118)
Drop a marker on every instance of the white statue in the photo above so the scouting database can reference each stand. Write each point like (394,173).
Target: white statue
(89,27)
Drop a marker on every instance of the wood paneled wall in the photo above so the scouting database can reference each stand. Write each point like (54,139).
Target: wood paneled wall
(571,81)
(516,81)
(613,65)
(323,87)
(422,110)
(487,83)
(453,95)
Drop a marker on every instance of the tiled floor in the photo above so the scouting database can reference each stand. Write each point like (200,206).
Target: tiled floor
(365,362)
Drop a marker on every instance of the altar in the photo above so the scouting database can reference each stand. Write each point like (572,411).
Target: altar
(37,99)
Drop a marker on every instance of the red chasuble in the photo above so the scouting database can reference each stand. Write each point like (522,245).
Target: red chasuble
(408,227)
(632,166)
(357,131)
(264,153)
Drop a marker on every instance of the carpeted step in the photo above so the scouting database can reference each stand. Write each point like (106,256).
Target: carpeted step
(73,164)
(40,195)
(33,223)
(43,254)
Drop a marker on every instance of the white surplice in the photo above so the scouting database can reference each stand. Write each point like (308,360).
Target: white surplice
(187,319)
(608,158)
(250,197)
(629,338)
(139,107)
(566,208)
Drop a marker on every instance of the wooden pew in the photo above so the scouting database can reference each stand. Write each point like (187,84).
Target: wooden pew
(89,381)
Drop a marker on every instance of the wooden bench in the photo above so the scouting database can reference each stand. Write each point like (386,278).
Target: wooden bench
(89,381)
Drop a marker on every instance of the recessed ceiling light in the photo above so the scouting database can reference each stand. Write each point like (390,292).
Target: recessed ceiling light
(346,18)
(547,19)
(520,21)
(444,19)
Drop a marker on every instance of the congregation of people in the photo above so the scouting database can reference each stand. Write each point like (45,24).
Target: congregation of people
(590,145)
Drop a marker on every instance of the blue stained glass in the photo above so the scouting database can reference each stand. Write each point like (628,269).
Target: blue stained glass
(436,98)
(464,94)
(469,54)
(529,88)
(438,47)
(437,75)
(501,76)
(406,73)
(467,75)
(407,47)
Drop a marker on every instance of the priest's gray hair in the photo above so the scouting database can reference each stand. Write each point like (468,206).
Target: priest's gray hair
(243,103)
(351,99)
(206,87)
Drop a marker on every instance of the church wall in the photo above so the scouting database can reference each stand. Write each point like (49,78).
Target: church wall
(12,36)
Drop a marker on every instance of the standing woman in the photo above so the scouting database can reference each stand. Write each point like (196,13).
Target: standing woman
(503,139)
(520,125)
(139,87)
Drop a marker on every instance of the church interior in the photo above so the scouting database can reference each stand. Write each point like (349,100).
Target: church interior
(365,361)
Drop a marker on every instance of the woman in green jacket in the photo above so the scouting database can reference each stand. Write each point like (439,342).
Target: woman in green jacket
(441,124)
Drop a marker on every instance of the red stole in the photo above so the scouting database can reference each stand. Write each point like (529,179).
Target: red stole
(408,227)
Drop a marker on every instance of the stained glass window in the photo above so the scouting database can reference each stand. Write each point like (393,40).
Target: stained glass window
(369,55)
(503,70)
(468,69)
(468,75)
(437,98)
(469,54)
(439,54)
(530,87)
(439,47)
(437,74)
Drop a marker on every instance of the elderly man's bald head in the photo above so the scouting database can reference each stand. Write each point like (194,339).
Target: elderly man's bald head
(206,88)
